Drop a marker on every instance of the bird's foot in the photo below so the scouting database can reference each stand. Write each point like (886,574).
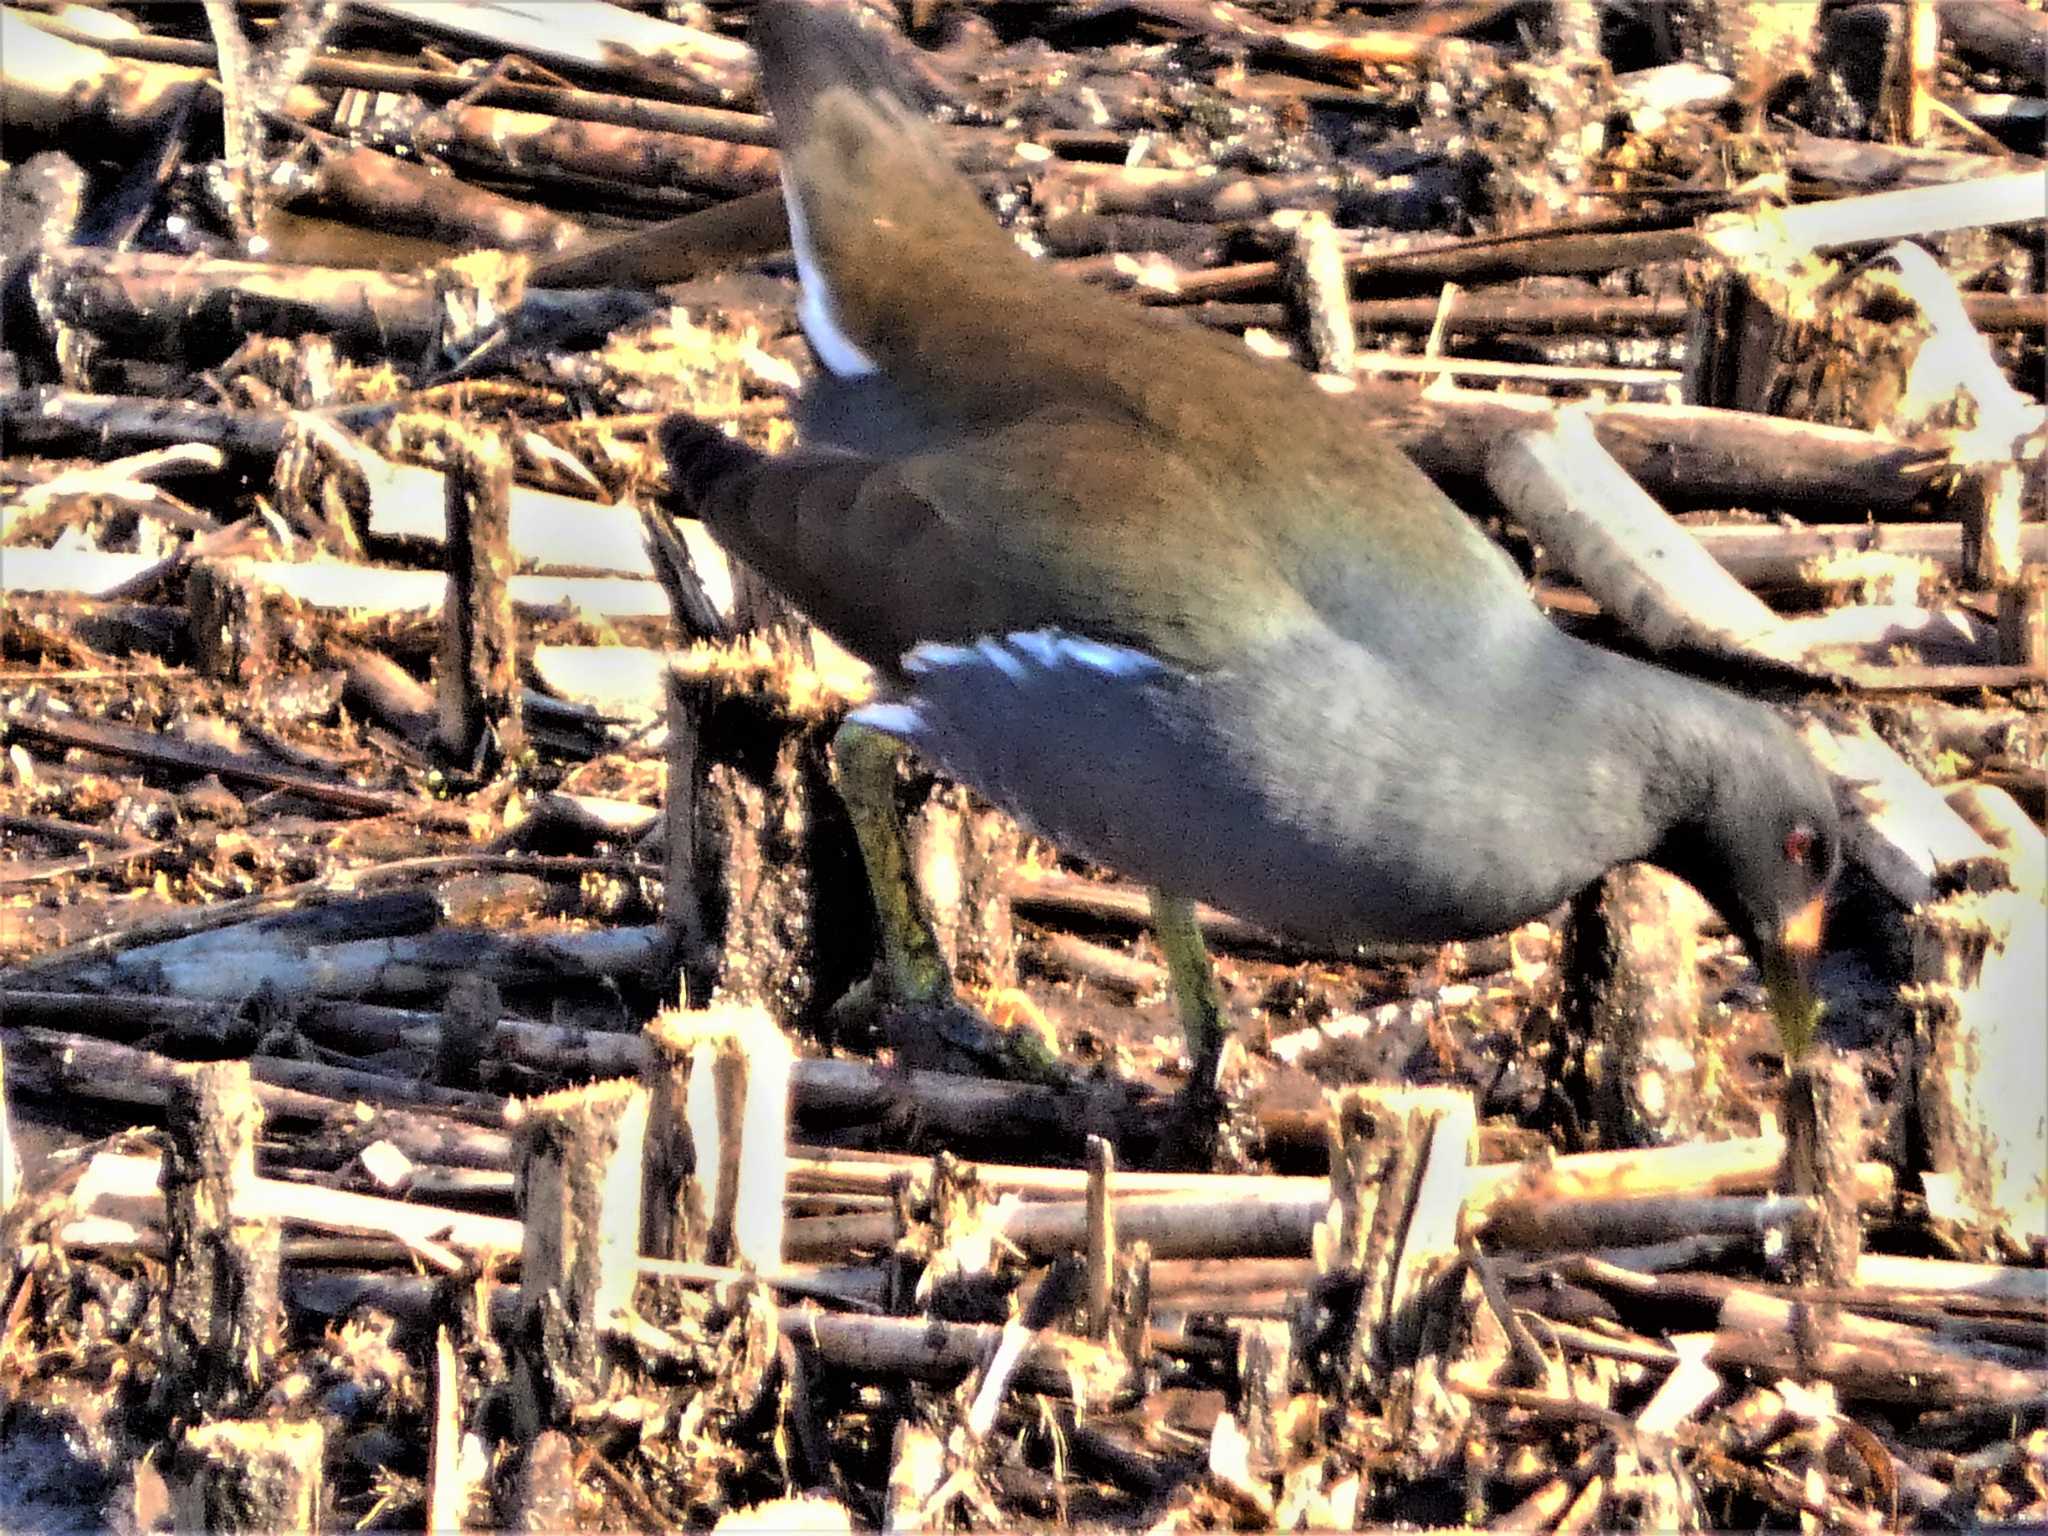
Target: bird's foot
(939,1032)
(1193,1124)
(1212,1124)
(1031,1044)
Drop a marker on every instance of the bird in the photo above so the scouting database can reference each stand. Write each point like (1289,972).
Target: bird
(1187,613)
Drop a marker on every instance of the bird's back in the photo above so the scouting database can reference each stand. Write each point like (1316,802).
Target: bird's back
(956,335)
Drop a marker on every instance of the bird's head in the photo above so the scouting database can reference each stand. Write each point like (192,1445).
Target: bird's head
(1765,852)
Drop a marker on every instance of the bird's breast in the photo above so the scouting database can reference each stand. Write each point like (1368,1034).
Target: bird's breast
(1310,788)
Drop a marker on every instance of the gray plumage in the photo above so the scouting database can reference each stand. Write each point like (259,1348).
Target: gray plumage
(1185,611)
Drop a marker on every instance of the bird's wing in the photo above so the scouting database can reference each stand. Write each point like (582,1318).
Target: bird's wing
(990,533)
(964,369)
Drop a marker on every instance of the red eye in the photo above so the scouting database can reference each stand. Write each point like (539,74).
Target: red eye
(1799,845)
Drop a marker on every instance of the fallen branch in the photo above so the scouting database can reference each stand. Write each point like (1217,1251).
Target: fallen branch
(1899,827)
(447,85)
(404,197)
(587,37)
(1759,555)
(195,758)
(1877,218)
(1683,455)
(1622,547)
(500,141)
(332,584)
(79,1068)
(1905,1366)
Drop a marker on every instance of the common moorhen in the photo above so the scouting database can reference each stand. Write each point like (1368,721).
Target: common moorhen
(1183,610)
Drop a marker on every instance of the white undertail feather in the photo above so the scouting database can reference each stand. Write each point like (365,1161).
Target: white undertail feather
(835,349)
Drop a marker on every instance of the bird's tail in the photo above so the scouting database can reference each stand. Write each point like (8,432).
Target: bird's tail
(701,453)
(807,49)
(875,201)
(701,458)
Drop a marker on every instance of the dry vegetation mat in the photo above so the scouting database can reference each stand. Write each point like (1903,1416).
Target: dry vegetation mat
(439,1089)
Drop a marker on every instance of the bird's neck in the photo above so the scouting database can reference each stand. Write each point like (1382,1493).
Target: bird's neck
(1642,744)
(1677,740)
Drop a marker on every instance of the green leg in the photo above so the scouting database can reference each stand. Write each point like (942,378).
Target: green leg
(1195,994)
(911,993)
(913,968)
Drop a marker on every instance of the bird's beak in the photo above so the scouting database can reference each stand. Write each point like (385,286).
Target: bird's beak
(1791,956)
